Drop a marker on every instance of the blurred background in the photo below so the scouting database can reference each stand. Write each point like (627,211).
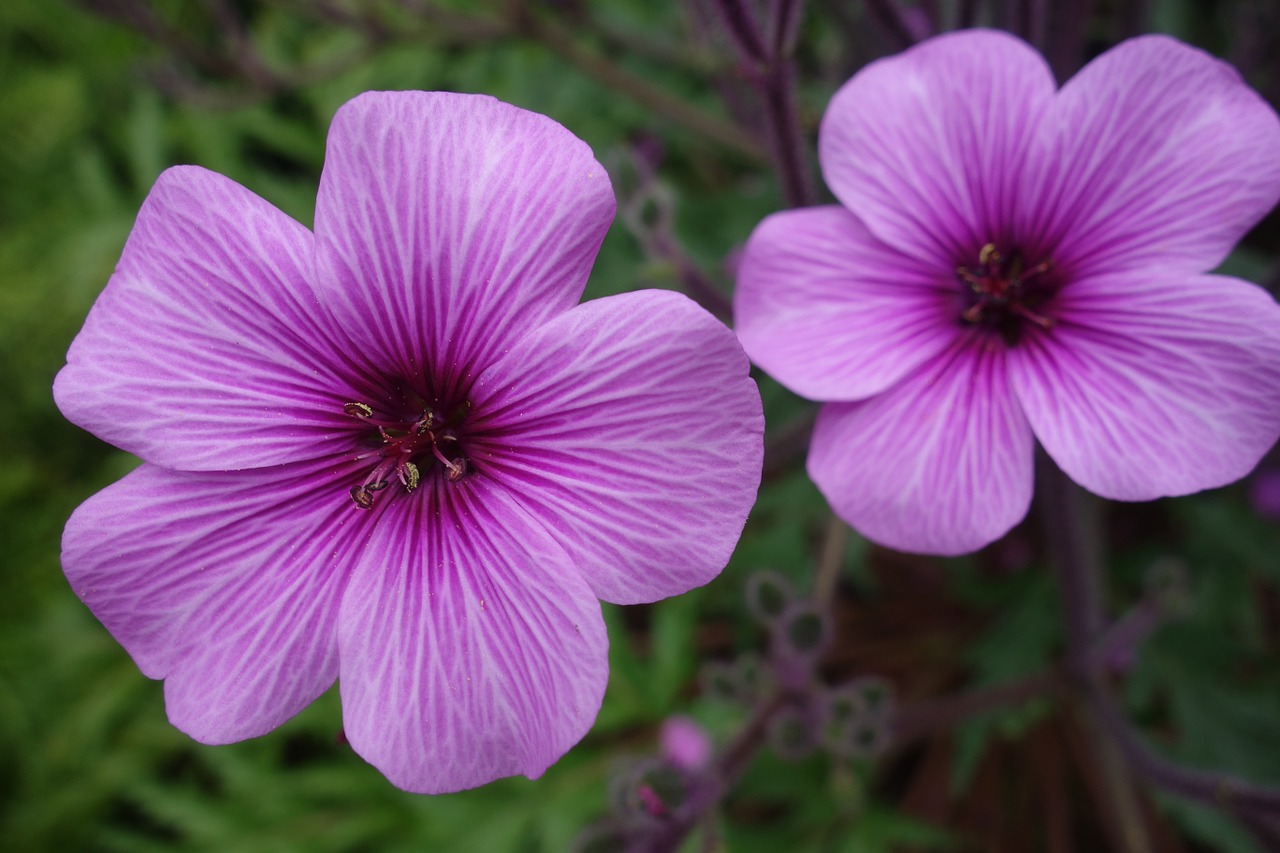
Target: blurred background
(97,97)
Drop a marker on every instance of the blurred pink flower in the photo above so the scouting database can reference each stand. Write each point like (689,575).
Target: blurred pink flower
(1012,263)
(684,744)
(396,452)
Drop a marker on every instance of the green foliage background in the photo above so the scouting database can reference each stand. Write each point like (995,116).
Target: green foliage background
(88,759)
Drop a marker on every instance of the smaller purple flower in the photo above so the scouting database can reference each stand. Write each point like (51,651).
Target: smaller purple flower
(684,744)
(1013,263)
(397,452)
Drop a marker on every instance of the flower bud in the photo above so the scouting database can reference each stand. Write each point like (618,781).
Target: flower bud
(684,744)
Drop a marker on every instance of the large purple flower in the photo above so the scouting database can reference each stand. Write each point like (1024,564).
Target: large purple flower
(1014,263)
(397,452)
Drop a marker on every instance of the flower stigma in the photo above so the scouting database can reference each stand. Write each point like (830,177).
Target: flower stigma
(405,447)
(1003,292)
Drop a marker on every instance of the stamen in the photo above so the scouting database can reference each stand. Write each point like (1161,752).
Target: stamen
(403,445)
(1027,314)
(974,281)
(1038,269)
(1005,292)
(456,468)
(410,476)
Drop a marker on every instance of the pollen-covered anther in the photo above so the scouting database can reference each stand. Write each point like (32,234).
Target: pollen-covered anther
(456,470)
(410,476)
(362,497)
(358,410)
(425,423)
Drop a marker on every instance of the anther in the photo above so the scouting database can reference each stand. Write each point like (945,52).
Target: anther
(411,476)
(358,410)
(1027,314)
(975,282)
(362,497)
(989,254)
(424,423)
(455,469)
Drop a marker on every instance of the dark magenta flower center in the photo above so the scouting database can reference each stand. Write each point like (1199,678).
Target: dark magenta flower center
(408,446)
(1005,293)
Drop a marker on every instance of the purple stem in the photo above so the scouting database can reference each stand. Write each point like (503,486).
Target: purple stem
(769,69)
(1252,803)
(784,25)
(929,716)
(784,136)
(933,14)
(741,26)
(1035,16)
(1072,530)
(887,14)
(1119,643)
(1064,48)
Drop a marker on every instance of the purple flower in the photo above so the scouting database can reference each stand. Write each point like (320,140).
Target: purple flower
(397,452)
(1012,263)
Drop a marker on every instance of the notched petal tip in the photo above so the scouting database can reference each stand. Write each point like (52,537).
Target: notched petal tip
(471,648)
(927,147)
(209,310)
(939,464)
(1166,159)
(1155,386)
(499,212)
(223,585)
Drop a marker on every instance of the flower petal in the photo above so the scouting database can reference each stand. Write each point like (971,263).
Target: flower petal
(833,313)
(1152,387)
(224,584)
(471,648)
(1166,157)
(448,224)
(208,349)
(939,464)
(630,427)
(928,147)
